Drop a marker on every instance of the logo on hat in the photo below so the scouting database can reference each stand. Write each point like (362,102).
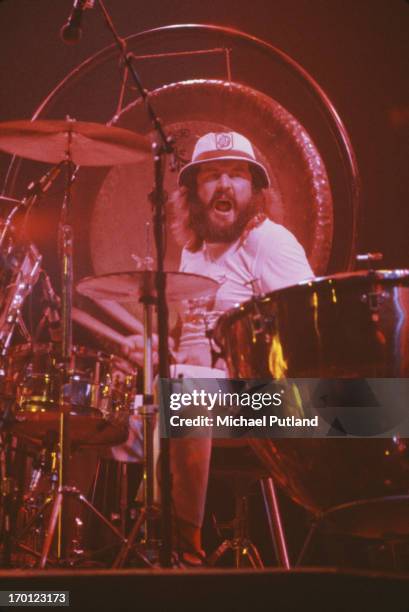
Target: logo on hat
(215,146)
(224,141)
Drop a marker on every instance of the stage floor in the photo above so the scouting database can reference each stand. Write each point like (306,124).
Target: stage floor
(328,589)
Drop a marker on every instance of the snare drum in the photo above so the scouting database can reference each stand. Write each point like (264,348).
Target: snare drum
(96,402)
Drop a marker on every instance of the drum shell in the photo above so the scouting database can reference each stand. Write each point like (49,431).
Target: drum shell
(35,376)
(354,325)
(95,402)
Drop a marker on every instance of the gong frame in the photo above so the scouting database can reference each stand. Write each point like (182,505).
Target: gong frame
(332,119)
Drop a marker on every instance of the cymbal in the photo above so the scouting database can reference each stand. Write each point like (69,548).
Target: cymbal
(90,144)
(130,286)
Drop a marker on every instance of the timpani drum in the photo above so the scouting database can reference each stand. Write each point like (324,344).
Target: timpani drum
(351,326)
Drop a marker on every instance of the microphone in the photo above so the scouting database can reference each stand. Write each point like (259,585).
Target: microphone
(41,186)
(71,31)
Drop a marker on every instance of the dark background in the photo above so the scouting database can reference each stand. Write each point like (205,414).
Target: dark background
(357,50)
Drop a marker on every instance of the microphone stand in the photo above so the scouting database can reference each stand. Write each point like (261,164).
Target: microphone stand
(158,198)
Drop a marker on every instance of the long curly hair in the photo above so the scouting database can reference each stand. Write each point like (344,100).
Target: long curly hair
(267,203)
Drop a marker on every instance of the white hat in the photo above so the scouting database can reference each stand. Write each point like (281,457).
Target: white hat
(216,146)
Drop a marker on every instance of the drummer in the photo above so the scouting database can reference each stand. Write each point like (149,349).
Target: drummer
(221,216)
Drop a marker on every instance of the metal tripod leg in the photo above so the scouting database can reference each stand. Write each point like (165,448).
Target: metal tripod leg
(248,549)
(240,544)
(307,542)
(55,512)
(51,529)
(148,414)
(275,523)
(33,519)
(243,548)
(126,548)
(219,552)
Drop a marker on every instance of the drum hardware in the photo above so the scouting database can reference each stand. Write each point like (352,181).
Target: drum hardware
(369,258)
(38,188)
(259,322)
(22,259)
(72,141)
(78,550)
(374,301)
(254,284)
(91,144)
(7,493)
(59,494)
(236,463)
(51,305)
(149,551)
(245,552)
(6,230)
(372,298)
(13,461)
(24,275)
(34,190)
(164,146)
(275,524)
(7,200)
(36,408)
(7,417)
(67,143)
(31,533)
(261,325)
(44,463)
(129,286)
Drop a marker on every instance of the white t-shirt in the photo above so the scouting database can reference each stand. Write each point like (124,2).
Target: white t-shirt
(269,258)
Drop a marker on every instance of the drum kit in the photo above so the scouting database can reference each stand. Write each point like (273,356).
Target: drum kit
(57,396)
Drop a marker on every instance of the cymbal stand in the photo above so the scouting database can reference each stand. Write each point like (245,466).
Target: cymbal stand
(163,147)
(149,549)
(65,246)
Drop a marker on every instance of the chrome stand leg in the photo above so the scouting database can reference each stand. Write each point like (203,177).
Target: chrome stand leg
(275,523)
(307,542)
(55,512)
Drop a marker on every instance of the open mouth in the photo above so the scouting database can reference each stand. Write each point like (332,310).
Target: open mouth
(223,206)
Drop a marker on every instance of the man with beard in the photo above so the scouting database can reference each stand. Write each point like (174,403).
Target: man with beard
(220,215)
